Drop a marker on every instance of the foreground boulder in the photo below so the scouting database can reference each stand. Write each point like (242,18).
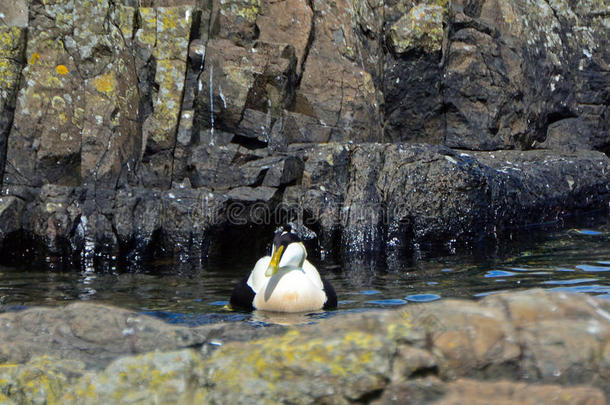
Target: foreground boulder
(91,334)
(530,347)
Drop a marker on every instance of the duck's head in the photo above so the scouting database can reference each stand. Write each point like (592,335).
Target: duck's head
(287,251)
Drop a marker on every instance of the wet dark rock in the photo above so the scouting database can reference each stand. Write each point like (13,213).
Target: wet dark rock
(507,82)
(570,134)
(391,199)
(11,209)
(413,98)
(394,198)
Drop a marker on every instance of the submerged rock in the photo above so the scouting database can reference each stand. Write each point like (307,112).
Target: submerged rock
(449,351)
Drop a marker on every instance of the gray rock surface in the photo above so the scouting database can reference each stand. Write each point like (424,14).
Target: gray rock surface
(526,347)
(93,334)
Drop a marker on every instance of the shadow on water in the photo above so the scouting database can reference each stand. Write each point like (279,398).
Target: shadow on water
(572,256)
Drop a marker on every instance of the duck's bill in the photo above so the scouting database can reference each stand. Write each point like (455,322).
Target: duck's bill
(275,262)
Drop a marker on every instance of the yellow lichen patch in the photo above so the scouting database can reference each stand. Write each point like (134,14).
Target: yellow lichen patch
(246,9)
(52,207)
(34,58)
(421,27)
(10,41)
(63,20)
(61,69)
(52,81)
(41,380)
(78,117)
(170,377)
(105,84)
(58,103)
(11,45)
(7,366)
(173,30)
(170,77)
(240,76)
(126,20)
(400,330)
(168,23)
(277,361)
(8,74)
(84,390)
(147,34)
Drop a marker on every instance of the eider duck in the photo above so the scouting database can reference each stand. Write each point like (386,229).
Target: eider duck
(285,281)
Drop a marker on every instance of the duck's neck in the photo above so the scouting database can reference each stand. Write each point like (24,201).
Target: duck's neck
(294,256)
(292,268)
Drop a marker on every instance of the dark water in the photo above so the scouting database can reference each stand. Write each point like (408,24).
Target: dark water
(573,258)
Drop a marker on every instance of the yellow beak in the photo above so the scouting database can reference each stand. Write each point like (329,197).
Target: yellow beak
(275,262)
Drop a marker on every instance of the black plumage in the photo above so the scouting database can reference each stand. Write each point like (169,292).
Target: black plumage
(331,295)
(242,296)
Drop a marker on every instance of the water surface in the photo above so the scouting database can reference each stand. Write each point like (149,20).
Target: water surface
(574,259)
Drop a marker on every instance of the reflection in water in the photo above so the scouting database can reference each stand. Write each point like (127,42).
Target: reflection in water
(575,260)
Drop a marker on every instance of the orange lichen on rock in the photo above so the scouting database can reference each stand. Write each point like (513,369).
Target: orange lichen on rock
(105,83)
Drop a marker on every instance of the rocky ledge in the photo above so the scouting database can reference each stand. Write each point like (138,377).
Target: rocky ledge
(360,200)
(528,347)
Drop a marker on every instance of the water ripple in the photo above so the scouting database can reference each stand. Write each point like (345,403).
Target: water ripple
(572,281)
(499,273)
(423,297)
(389,301)
(588,232)
(589,268)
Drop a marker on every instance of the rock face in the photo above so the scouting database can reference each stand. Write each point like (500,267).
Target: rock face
(157,125)
(526,347)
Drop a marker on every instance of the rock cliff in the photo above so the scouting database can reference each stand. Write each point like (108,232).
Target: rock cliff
(384,126)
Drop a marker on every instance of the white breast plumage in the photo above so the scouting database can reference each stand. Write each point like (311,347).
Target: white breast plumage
(289,290)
